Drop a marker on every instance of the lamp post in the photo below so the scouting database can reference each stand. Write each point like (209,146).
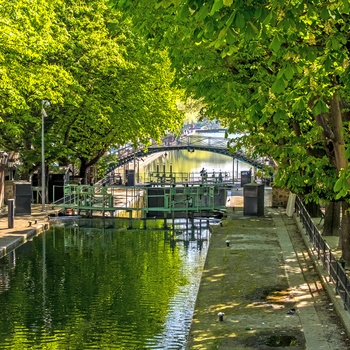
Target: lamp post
(44,103)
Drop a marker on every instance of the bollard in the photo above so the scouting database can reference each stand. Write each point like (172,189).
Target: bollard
(227,243)
(11,213)
(221,316)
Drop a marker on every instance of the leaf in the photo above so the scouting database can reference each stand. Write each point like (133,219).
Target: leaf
(228,2)
(320,107)
(202,13)
(280,73)
(278,116)
(184,13)
(325,12)
(345,6)
(288,72)
(278,86)
(250,32)
(222,33)
(258,12)
(239,20)
(230,37)
(276,43)
(268,18)
(218,4)
(341,186)
(335,44)
(230,19)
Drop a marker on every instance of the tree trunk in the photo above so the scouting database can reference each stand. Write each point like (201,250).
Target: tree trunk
(345,232)
(331,225)
(83,171)
(2,186)
(341,161)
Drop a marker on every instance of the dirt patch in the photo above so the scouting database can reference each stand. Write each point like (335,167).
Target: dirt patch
(292,339)
(275,293)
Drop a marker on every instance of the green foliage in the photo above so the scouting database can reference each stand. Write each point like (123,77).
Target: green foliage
(268,69)
(106,85)
(341,187)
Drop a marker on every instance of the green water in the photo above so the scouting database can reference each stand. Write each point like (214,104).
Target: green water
(102,287)
(192,163)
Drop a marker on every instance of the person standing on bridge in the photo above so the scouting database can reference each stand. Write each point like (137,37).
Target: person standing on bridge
(203,174)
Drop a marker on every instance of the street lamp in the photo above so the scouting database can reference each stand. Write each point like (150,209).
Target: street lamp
(44,103)
(3,158)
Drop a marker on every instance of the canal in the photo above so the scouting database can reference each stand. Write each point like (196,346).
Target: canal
(94,284)
(85,285)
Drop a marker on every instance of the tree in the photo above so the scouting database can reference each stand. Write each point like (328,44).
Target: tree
(29,34)
(125,92)
(275,70)
(106,85)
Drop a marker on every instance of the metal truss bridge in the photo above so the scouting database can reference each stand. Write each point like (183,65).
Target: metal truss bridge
(189,143)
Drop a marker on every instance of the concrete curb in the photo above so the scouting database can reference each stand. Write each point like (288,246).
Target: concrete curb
(14,240)
(338,304)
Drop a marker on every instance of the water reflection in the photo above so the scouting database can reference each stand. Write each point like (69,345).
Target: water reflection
(7,263)
(103,287)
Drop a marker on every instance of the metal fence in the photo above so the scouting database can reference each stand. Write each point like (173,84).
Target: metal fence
(321,250)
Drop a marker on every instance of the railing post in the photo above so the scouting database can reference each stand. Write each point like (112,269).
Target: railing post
(11,213)
(337,279)
(345,293)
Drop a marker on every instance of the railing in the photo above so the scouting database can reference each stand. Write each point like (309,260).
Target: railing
(166,198)
(204,141)
(335,268)
(215,177)
(190,178)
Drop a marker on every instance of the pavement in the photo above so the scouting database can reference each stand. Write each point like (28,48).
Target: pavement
(253,293)
(261,288)
(24,227)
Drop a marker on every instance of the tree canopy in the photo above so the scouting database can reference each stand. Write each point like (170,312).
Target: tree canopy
(270,69)
(106,85)
(277,71)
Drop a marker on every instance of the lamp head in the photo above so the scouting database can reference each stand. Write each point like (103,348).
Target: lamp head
(45,103)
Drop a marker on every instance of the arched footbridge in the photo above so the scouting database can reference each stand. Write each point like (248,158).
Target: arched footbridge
(189,143)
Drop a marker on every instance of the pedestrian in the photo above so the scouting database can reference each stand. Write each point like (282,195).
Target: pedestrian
(220,176)
(203,174)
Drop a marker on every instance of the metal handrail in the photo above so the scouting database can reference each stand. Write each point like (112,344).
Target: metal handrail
(321,250)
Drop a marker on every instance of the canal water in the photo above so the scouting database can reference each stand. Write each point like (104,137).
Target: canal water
(192,162)
(98,285)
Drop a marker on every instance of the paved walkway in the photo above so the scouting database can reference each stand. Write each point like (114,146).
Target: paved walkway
(269,292)
(25,227)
